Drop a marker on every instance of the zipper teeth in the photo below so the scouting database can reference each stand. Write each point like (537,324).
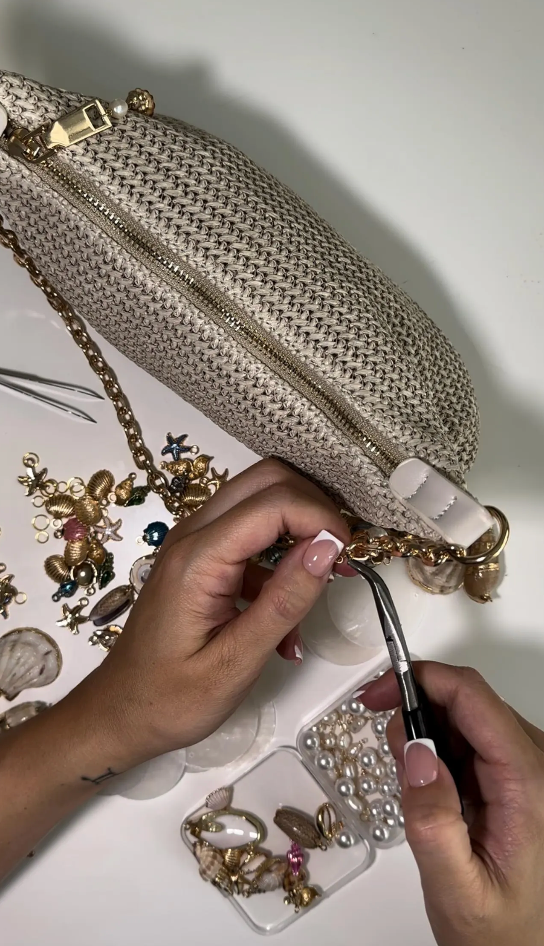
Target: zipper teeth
(224,313)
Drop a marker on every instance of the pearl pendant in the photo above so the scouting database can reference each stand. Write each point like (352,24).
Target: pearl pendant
(345,839)
(325,761)
(118,109)
(310,741)
(345,787)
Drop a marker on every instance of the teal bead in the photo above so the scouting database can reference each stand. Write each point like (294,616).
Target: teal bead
(155,533)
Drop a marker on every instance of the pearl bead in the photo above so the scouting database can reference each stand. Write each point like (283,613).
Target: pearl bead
(353,752)
(379,726)
(388,788)
(118,108)
(367,785)
(345,787)
(349,770)
(368,758)
(375,809)
(384,748)
(344,708)
(315,728)
(344,740)
(392,769)
(310,741)
(330,719)
(378,770)
(356,708)
(355,804)
(325,761)
(345,839)
(328,740)
(380,833)
(390,821)
(400,820)
(356,724)
(3,119)
(391,808)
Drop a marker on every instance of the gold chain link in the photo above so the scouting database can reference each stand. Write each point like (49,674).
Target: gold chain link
(141,454)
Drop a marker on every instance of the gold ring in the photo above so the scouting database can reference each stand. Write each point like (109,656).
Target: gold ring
(41,526)
(484,557)
(42,537)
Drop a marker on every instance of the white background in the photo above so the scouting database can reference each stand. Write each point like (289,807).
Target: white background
(417,129)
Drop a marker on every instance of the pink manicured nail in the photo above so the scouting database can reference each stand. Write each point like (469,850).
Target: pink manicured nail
(420,762)
(320,556)
(299,650)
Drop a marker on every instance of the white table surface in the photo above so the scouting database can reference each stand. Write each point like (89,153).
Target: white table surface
(417,130)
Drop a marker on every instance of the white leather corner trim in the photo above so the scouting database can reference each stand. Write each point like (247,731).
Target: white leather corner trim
(441,504)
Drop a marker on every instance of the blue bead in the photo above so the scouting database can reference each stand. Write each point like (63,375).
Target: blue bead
(155,533)
(68,588)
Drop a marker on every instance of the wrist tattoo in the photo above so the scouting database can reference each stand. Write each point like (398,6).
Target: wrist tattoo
(109,773)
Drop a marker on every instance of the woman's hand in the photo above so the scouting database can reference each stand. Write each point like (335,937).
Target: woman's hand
(187,656)
(482,875)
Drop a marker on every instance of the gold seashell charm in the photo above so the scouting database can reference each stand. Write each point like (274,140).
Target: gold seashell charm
(299,828)
(60,505)
(195,495)
(123,490)
(56,569)
(76,552)
(87,510)
(140,100)
(481,580)
(100,484)
(97,552)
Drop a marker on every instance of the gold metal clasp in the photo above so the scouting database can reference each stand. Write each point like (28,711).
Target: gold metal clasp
(69,130)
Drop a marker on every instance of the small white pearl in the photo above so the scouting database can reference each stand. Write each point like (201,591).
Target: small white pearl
(368,758)
(355,804)
(392,769)
(391,808)
(344,740)
(344,708)
(3,119)
(345,839)
(356,724)
(345,787)
(388,788)
(328,740)
(367,785)
(378,770)
(375,809)
(330,719)
(356,708)
(380,833)
(310,741)
(400,820)
(118,108)
(349,770)
(379,726)
(353,751)
(325,761)
(384,748)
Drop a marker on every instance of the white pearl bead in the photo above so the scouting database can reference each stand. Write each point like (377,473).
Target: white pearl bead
(349,770)
(355,804)
(310,741)
(368,758)
(353,752)
(384,748)
(380,833)
(325,761)
(344,740)
(344,708)
(356,724)
(375,809)
(391,808)
(345,839)
(392,769)
(367,785)
(330,719)
(3,119)
(379,726)
(400,820)
(328,740)
(118,108)
(356,708)
(388,788)
(345,787)
(378,770)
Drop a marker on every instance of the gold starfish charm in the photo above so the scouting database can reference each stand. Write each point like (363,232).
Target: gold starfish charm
(34,481)
(72,617)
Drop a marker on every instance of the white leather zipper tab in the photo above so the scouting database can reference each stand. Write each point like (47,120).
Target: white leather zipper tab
(443,506)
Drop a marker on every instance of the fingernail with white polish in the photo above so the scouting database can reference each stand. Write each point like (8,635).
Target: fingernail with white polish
(420,762)
(358,693)
(320,556)
(299,651)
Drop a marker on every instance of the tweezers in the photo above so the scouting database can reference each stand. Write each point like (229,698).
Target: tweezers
(43,398)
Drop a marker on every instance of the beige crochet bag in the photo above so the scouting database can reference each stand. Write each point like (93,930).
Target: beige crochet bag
(223,284)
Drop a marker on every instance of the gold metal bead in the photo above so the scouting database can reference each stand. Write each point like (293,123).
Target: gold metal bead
(56,568)
(60,504)
(140,100)
(76,552)
(97,552)
(100,484)
(88,511)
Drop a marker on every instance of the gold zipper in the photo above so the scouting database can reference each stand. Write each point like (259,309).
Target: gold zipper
(38,149)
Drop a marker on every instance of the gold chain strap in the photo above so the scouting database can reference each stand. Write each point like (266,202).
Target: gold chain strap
(367,545)
(141,454)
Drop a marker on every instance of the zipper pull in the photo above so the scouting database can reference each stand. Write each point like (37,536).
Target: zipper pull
(443,506)
(71,129)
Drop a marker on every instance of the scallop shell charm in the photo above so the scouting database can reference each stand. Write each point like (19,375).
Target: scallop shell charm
(220,798)
(87,510)
(112,605)
(56,568)
(100,484)
(28,658)
(60,504)
(20,713)
(76,552)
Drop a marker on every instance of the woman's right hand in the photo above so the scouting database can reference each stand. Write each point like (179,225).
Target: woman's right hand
(482,874)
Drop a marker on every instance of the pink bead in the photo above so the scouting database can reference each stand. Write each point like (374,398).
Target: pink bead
(295,858)
(74,530)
